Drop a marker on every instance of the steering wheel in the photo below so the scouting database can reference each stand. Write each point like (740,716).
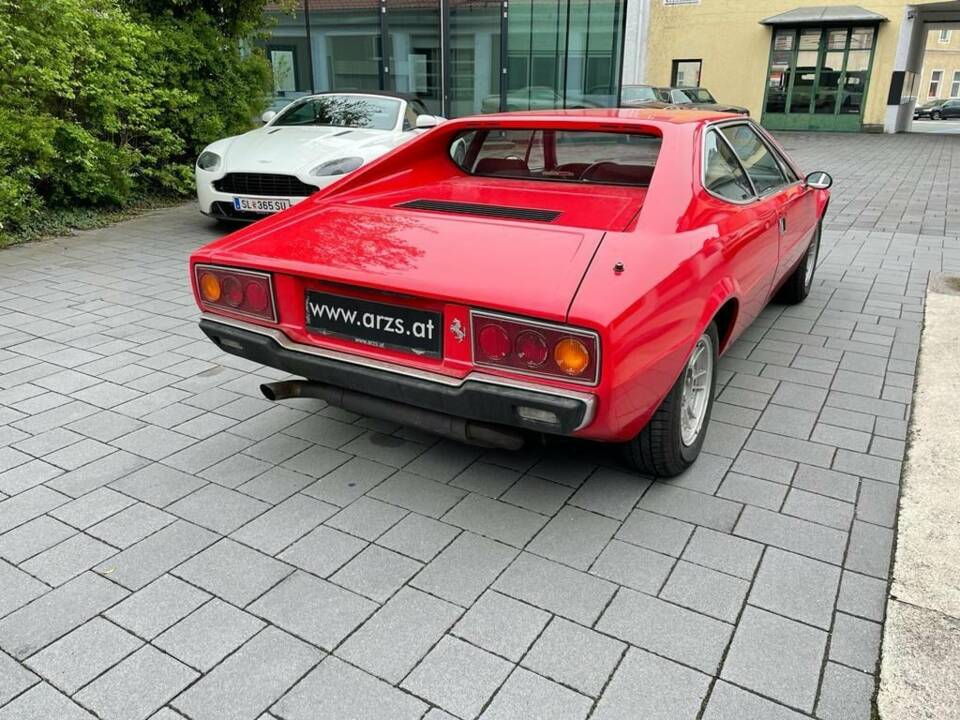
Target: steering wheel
(585,175)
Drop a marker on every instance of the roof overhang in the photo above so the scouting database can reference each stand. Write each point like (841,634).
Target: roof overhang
(825,15)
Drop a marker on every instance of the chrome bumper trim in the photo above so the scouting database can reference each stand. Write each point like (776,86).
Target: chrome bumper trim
(588,399)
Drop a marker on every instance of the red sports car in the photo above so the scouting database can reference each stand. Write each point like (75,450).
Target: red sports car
(566,272)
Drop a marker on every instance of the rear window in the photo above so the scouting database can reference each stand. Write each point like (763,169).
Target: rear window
(576,156)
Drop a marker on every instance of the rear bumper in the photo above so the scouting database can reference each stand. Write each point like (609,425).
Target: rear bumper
(478,396)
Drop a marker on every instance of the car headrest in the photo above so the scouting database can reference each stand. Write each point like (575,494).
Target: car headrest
(612,172)
(501,166)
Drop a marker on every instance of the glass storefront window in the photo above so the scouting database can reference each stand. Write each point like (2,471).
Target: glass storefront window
(474,61)
(346,46)
(414,57)
(288,54)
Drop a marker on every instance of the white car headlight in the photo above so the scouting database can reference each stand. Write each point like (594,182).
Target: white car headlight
(208,160)
(340,166)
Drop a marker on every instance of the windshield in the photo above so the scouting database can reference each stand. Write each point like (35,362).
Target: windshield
(350,111)
(689,95)
(580,156)
(637,93)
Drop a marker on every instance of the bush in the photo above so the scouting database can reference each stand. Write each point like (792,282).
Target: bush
(103,102)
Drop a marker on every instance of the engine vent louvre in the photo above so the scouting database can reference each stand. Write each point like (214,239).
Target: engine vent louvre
(503,211)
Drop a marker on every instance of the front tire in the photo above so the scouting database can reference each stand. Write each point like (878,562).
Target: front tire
(672,439)
(798,285)
(935,115)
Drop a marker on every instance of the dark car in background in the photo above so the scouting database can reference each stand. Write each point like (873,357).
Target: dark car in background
(938,110)
(699,98)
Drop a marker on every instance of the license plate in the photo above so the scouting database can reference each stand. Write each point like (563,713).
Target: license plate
(373,323)
(260,205)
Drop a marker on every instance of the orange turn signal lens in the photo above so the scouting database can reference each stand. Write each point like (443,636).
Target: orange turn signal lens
(571,356)
(210,287)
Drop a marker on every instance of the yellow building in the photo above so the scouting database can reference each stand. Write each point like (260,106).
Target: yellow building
(833,66)
(940,79)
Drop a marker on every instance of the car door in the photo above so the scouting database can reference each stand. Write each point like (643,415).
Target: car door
(775,180)
(951,109)
(747,226)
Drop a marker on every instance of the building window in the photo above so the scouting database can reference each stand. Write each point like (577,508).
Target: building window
(936,77)
(686,73)
(955,85)
(944,36)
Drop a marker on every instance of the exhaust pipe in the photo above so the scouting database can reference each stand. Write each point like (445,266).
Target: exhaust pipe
(448,426)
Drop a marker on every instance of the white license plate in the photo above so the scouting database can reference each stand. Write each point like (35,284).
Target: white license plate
(260,205)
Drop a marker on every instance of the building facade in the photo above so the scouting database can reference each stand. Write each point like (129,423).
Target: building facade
(940,76)
(833,66)
(459,56)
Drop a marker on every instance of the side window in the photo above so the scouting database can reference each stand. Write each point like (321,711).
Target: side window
(409,117)
(722,172)
(760,164)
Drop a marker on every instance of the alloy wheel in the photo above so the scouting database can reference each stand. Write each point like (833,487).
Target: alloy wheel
(697,386)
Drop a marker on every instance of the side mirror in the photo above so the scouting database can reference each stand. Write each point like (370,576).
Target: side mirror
(268,116)
(819,180)
(428,121)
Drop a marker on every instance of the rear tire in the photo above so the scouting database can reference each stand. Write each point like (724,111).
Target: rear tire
(935,115)
(672,439)
(797,286)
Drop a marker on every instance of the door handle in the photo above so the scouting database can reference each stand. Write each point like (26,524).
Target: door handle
(783,224)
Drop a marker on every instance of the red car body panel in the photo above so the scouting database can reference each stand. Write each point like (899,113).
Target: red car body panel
(687,257)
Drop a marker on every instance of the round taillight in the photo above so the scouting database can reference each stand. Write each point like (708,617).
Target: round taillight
(232,291)
(494,342)
(256,297)
(531,348)
(209,287)
(571,356)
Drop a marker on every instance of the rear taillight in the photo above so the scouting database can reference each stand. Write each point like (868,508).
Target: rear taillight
(535,348)
(243,292)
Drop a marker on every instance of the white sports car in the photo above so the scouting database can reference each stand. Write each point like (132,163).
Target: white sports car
(307,145)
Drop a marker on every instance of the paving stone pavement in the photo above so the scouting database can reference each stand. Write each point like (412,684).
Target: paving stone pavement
(172,545)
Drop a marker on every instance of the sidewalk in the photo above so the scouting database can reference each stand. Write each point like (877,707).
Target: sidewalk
(920,668)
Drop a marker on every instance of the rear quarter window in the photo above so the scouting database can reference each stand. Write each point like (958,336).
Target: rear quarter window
(572,156)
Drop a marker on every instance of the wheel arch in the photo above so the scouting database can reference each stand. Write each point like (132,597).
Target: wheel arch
(726,319)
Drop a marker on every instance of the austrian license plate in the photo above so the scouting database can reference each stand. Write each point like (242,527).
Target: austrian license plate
(260,205)
(373,323)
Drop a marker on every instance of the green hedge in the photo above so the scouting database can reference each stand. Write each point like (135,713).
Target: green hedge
(103,102)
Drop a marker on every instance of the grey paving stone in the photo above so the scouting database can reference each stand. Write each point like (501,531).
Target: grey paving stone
(316,461)
(707,591)
(790,421)
(752,491)
(792,534)
(557,588)
(323,551)
(31,538)
(97,474)
(320,429)
(136,687)
(50,616)
(862,596)
(537,494)
(656,532)
(92,508)
(877,503)
(387,449)
(235,470)
(636,567)
(282,525)
(130,525)
(801,451)
(376,573)
(233,572)
(14,679)
(855,642)
(150,558)
(206,636)
(153,442)
(27,505)
(335,690)
(776,657)
(217,508)
(797,587)
(250,680)
(444,461)
(150,611)
(464,569)
(18,588)
(42,702)
(870,550)
(653,688)
(845,695)
(28,475)
(157,484)
(563,468)
(705,476)
(728,702)
(726,553)
(819,509)
(574,656)
(485,479)
(418,536)
(417,493)
(494,519)
(83,654)
(693,507)
(666,629)
(349,481)
(574,537)
(501,625)
(526,695)
(275,485)
(399,634)
(610,493)
(313,609)
(827,482)
(367,518)
(458,677)
(68,559)
(841,437)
